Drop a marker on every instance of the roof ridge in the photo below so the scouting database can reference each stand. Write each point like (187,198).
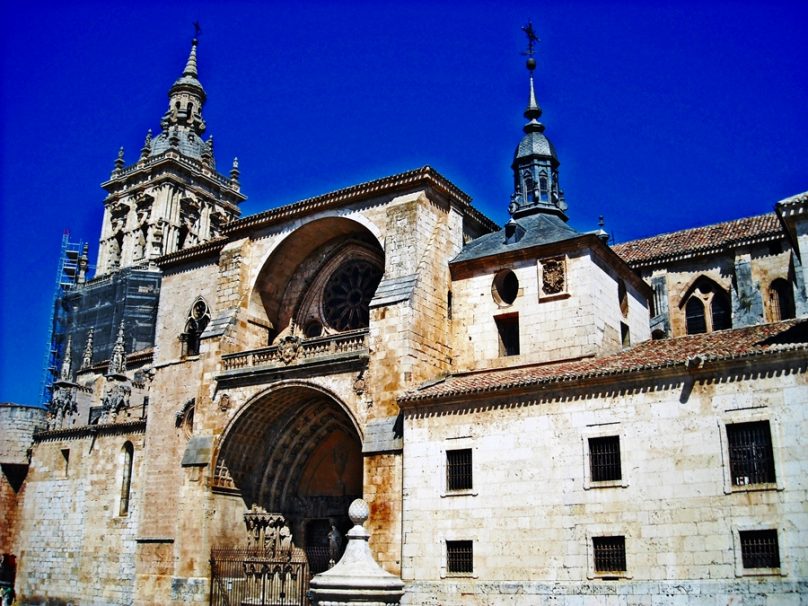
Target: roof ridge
(771,214)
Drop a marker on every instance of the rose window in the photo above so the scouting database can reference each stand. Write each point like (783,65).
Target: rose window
(348,293)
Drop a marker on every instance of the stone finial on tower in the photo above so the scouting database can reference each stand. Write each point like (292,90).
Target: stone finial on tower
(207,153)
(119,162)
(87,356)
(117,362)
(234,174)
(64,373)
(146,149)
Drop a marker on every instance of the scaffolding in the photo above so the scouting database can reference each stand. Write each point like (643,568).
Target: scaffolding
(67,276)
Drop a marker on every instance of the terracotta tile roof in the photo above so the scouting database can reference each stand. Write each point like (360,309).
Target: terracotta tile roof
(700,240)
(693,350)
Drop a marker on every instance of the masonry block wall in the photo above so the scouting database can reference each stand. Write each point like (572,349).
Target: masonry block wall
(583,320)
(79,546)
(532,511)
(17,427)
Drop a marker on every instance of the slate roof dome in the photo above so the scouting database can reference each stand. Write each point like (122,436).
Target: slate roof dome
(534,143)
(190,144)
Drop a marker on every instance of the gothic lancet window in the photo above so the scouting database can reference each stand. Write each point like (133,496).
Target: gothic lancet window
(126,478)
(694,315)
(707,308)
(543,189)
(198,319)
(530,187)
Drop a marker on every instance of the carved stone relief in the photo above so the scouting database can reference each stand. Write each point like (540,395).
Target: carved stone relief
(553,274)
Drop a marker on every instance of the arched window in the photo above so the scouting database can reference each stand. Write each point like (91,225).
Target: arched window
(198,319)
(721,310)
(127,453)
(781,300)
(694,314)
(530,187)
(707,308)
(543,189)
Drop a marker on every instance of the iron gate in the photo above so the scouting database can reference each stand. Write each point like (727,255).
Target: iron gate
(249,577)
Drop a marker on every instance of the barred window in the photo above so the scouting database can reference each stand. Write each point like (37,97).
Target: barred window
(610,554)
(751,460)
(458,469)
(759,549)
(460,557)
(604,458)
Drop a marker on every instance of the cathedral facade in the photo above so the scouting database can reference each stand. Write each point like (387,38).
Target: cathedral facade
(531,414)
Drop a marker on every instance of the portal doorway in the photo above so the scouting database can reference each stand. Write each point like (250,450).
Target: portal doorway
(293,454)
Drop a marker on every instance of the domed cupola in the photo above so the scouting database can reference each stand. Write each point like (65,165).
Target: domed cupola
(535,164)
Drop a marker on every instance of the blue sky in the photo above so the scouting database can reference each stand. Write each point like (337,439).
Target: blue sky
(663,116)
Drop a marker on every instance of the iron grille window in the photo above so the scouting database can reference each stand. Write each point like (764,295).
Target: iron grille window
(610,554)
(604,458)
(751,460)
(458,469)
(460,557)
(759,549)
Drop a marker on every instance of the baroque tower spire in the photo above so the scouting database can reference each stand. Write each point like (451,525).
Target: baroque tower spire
(535,164)
(171,198)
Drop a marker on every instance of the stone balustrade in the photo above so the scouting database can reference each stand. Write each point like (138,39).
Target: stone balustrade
(293,350)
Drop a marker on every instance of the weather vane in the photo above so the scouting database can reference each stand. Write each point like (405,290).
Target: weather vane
(197,29)
(532,38)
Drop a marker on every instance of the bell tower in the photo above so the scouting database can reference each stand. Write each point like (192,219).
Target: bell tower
(171,197)
(535,164)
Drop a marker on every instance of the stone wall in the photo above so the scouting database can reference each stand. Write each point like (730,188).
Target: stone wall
(744,274)
(582,320)
(17,427)
(75,543)
(533,510)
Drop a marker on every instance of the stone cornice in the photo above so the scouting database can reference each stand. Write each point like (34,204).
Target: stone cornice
(425,176)
(211,247)
(213,178)
(84,431)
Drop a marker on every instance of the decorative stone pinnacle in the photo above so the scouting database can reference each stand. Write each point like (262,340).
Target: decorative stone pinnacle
(67,362)
(146,145)
(119,162)
(117,362)
(234,172)
(87,357)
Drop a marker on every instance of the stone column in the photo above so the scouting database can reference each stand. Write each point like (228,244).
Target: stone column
(357,578)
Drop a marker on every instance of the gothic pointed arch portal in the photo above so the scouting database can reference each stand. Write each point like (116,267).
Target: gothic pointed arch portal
(294,451)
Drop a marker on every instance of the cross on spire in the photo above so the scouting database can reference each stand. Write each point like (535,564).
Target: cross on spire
(532,38)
